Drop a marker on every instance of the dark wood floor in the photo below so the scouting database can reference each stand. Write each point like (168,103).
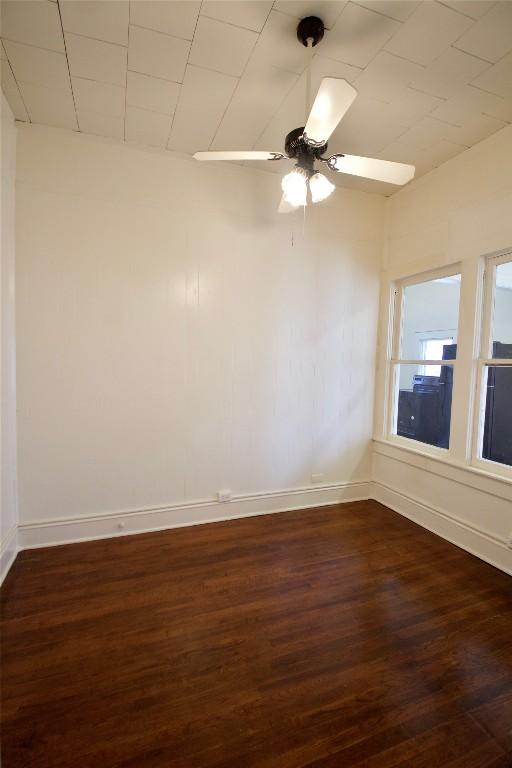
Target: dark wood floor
(330,638)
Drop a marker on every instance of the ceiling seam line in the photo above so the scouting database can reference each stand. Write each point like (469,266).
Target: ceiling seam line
(173,116)
(126,77)
(69,69)
(19,89)
(234,91)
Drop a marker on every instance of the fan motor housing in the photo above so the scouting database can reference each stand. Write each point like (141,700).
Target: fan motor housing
(295,146)
(310,28)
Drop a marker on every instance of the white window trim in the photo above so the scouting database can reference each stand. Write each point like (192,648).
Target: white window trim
(484,345)
(394,359)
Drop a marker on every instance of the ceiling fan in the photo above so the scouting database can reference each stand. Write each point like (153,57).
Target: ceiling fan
(309,143)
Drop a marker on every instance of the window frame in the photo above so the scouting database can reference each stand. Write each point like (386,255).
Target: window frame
(484,361)
(395,361)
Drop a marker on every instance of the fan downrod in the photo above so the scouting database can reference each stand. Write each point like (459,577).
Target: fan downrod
(310,28)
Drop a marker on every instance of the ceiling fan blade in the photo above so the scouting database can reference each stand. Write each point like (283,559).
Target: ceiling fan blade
(239,155)
(333,99)
(371,168)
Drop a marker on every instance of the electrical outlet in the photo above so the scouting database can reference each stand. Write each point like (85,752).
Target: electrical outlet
(317,478)
(224,495)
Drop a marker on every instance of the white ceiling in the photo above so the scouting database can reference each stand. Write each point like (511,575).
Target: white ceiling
(433,77)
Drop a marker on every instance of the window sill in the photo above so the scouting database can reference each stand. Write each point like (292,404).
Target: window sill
(442,456)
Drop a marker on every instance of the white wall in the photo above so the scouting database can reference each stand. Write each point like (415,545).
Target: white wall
(176,336)
(455,214)
(8,496)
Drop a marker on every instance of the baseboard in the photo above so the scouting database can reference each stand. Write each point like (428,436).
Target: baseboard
(8,551)
(66,531)
(478,542)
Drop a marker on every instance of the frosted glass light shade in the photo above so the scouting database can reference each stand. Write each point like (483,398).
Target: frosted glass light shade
(320,187)
(295,188)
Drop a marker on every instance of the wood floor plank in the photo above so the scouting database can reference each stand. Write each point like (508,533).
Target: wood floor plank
(340,636)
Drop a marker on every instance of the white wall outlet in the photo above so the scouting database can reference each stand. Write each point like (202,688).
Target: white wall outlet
(317,477)
(224,495)
(121,525)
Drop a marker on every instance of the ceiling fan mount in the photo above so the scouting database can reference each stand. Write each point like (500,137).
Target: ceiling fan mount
(296,147)
(309,143)
(310,28)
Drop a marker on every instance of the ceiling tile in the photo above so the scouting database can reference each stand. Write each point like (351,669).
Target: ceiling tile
(250,14)
(96,60)
(152,93)
(424,160)
(221,47)
(477,128)
(386,76)
(325,67)
(429,130)
(49,106)
(259,94)
(147,127)
(473,8)
(278,44)
(100,98)
(157,54)
(410,105)
(32,22)
(425,35)
(366,129)
(203,100)
(38,66)
(491,37)
(452,70)
(100,125)
(395,9)
(327,10)
(12,93)
(105,20)
(358,36)
(471,101)
(178,18)
(497,79)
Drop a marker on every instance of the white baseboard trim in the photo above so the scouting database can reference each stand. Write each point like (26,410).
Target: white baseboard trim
(8,551)
(66,531)
(478,542)
(482,544)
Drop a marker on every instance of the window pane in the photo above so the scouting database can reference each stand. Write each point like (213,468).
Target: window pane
(424,403)
(430,314)
(497,443)
(502,326)
(433,349)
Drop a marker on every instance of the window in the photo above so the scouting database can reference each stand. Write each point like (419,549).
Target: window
(432,349)
(494,423)
(424,357)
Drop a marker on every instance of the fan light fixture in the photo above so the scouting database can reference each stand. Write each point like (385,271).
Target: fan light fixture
(320,187)
(295,187)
